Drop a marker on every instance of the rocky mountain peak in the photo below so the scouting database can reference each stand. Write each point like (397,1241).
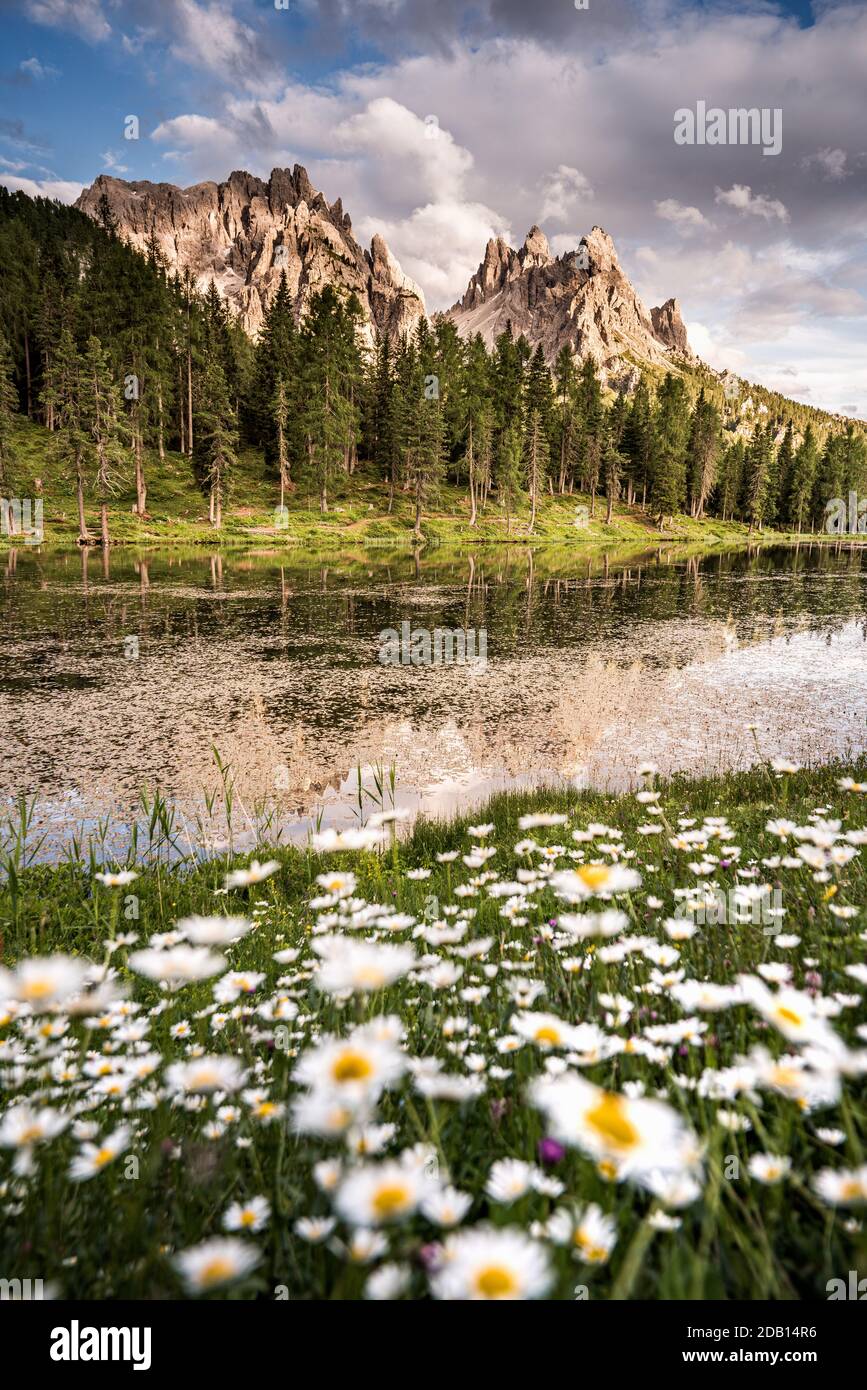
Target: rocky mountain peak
(535,250)
(246,232)
(669,327)
(582,300)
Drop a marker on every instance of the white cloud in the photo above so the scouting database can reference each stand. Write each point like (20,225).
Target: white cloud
(37,70)
(561,190)
(211,38)
(111,162)
(519,124)
(685,219)
(83,16)
(831,163)
(64,190)
(741,197)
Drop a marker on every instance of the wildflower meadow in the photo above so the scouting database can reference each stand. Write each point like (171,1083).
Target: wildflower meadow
(579,1047)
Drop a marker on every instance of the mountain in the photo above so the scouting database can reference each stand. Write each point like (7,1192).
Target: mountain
(243,233)
(582,300)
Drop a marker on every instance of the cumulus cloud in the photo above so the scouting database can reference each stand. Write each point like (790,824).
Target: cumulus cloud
(685,219)
(492,115)
(741,197)
(64,190)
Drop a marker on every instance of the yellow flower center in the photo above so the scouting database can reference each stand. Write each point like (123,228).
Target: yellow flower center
(101,1157)
(38,989)
(351,1066)
(547,1035)
(495,1281)
(611,1122)
(31,1134)
(594,875)
(248,1218)
(851,1190)
(789,1016)
(215,1272)
(390,1200)
(266,1109)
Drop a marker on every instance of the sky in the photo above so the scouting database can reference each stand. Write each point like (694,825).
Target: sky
(441,123)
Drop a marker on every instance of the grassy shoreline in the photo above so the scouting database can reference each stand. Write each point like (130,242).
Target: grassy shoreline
(358,513)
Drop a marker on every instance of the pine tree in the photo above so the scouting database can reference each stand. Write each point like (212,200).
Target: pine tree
(612,469)
(8,409)
(103,421)
(508,467)
(536,453)
(591,440)
(216,436)
(702,455)
(759,460)
(805,466)
(671,428)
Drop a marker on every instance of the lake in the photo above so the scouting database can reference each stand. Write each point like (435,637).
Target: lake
(138,672)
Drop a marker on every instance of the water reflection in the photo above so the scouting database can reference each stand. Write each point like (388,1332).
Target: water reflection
(130,670)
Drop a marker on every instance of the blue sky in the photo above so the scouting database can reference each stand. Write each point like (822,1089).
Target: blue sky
(542,112)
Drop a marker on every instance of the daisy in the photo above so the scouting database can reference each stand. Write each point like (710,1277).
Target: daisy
(248,1216)
(92,1158)
(359,966)
(509,1179)
(43,981)
(353,1069)
(445,1206)
(381,1193)
(337,884)
(117,880)
(255,873)
(314,1229)
(576,885)
(547,1032)
(635,1135)
(842,1187)
(214,931)
(23,1127)
(205,1075)
(178,966)
(388,1282)
(329,841)
(593,1235)
(215,1263)
(769,1168)
(487,1264)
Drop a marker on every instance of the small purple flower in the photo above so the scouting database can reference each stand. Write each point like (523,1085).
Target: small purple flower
(550,1152)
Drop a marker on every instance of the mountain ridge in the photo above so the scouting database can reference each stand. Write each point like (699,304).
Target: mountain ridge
(245,232)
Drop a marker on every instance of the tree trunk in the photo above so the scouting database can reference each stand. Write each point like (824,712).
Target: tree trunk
(189,401)
(83,534)
(27,373)
(161,444)
(103,524)
(141,492)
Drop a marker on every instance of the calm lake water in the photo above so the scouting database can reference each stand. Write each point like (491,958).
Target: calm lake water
(131,675)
